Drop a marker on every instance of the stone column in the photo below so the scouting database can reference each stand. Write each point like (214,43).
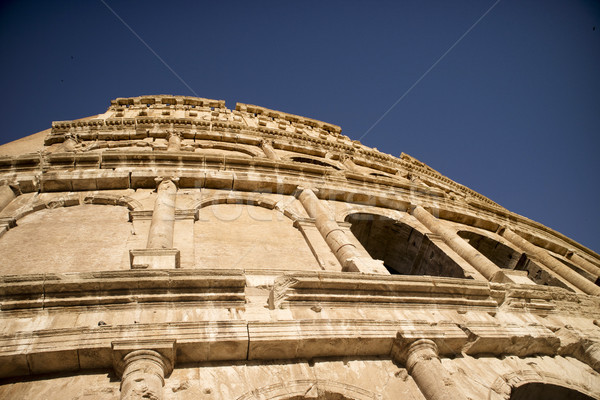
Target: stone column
(267,148)
(583,263)
(424,366)
(159,252)
(480,262)
(348,163)
(174,142)
(6,195)
(556,266)
(336,239)
(163,216)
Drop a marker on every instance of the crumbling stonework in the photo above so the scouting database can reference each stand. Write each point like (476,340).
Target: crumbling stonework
(172,248)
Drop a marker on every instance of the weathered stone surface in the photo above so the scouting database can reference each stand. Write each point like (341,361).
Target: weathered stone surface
(172,248)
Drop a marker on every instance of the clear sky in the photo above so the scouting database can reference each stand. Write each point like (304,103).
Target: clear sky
(511,111)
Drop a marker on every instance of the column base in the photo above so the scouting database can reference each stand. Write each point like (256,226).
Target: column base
(512,276)
(154,258)
(365,265)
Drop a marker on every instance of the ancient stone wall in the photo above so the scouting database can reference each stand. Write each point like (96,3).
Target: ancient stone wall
(172,248)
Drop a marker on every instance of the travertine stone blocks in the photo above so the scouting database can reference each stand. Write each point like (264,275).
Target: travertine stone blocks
(234,282)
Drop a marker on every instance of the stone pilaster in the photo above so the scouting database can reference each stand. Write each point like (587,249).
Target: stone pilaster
(480,262)
(174,142)
(267,148)
(424,366)
(163,217)
(159,252)
(553,264)
(336,238)
(348,163)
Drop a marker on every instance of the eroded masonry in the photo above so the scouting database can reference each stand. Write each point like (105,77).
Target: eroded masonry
(172,248)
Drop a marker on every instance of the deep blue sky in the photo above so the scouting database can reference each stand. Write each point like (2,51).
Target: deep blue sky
(513,111)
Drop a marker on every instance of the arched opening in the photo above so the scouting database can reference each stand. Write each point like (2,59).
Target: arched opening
(403,249)
(313,161)
(506,257)
(544,391)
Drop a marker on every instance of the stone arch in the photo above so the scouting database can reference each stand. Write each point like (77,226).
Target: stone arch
(403,248)
(252,199)
(230,147)
(304,158)
(75,199)
(321,389)
(358,209)
(501,253)
(506,385)
(507,257)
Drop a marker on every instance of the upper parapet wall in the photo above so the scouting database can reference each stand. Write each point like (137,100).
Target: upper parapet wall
(166,100)
(296,119)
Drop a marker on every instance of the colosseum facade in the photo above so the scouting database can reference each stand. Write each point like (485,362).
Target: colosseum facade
(172,248)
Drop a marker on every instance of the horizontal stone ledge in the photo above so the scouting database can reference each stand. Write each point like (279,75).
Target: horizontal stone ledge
(121,287)
(59,350)
(66,181)
(518,340)
(296,289)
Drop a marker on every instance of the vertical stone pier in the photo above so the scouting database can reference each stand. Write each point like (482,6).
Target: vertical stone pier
(335,237)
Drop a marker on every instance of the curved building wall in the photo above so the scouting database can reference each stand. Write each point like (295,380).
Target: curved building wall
(172,248)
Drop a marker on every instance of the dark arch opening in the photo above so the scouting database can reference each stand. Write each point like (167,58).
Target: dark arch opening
(544,391)
(507,258)
(312,161)
(403,249)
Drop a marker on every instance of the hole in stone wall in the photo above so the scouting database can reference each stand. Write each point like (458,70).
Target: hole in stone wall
(404,250)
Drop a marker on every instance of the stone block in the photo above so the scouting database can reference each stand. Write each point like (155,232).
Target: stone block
(154,258)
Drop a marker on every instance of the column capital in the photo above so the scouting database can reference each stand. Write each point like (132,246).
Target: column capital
(166,182)
(422,349)
(158,353)
(408,352)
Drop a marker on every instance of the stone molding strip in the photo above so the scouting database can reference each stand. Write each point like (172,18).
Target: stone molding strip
(63,350)
(18,292)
